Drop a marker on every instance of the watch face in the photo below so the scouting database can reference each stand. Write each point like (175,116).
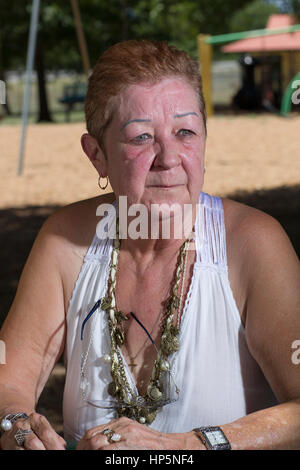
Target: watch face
(216,437)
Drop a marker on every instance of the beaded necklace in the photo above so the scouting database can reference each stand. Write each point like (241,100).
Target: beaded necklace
(141,408)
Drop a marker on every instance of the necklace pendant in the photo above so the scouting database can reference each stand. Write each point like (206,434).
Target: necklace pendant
(150,416)
(132,365)
(174,345)
(120,317)
(174,331)
(112,389)
(165,365)
(169,344)
(105,303)
(154,393)
(107,358)
(119,337)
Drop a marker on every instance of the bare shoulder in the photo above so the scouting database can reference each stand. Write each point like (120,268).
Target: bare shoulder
(255,233)
(259,252)
(74,225)
(66,236)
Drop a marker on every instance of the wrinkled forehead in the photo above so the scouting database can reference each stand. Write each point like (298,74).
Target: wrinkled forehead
(169,96)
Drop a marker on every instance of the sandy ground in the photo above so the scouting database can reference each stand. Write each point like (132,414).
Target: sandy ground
(244,153)
(254,159)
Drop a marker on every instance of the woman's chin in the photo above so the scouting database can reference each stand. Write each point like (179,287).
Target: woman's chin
(162,195)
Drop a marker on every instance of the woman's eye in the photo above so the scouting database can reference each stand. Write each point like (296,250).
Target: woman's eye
(185,132)
(141,138)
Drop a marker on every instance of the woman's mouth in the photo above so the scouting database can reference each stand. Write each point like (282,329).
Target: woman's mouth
(165,186)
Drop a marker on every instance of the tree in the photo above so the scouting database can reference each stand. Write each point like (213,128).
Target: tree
(253,16)
(180,22)
(14,31)
(296,8)
(12,19)
(287,6)
(104,24)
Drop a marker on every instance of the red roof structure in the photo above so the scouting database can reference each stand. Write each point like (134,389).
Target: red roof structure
(278,42)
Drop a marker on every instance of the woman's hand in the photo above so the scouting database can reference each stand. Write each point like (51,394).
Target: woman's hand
(42,437)
(135,436)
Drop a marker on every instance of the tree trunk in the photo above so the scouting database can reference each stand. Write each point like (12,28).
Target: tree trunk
(44,112)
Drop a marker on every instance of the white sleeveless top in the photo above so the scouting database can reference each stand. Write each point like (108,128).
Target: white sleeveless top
(218,379)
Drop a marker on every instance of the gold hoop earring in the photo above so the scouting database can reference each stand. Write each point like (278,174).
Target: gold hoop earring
(99,183)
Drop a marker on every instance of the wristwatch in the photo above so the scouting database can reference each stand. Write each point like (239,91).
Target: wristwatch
(8,420)
(213,438)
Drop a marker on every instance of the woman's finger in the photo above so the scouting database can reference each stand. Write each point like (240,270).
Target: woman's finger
(93,439)
(29,441)
(32,442)
(45,433)
(130,432)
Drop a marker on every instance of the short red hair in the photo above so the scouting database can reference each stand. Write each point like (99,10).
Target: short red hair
(131,62)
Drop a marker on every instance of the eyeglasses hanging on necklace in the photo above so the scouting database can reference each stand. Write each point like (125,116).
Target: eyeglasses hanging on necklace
(93,310)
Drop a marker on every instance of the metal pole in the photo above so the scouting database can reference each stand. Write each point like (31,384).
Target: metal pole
(29,67)
(205,60)
(80,37)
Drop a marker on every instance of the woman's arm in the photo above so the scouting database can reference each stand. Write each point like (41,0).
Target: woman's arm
(34,329)
(272,326)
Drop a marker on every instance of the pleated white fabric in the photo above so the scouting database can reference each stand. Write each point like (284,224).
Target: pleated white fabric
(218,379)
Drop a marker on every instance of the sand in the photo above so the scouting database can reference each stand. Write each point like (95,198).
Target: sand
(243,153)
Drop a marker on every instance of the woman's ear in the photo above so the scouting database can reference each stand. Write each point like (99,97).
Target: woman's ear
(92,149)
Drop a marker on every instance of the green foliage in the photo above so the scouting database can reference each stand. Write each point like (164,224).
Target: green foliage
(295,8)
(179,22)
(105,23)
(287,6)
(14,29)
(253,16)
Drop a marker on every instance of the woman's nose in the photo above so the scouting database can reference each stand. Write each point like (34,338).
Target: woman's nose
(166,154)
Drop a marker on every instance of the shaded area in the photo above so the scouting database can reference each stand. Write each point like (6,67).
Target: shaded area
(50,402)
(19,227)
(282,203)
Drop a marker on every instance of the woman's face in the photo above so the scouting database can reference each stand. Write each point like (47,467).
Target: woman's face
(155,144)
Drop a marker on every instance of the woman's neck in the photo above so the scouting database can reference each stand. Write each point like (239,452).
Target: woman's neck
(144,253)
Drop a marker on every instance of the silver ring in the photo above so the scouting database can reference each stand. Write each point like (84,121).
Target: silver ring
(111,435)
(107,431)
(20,436)
(114,437)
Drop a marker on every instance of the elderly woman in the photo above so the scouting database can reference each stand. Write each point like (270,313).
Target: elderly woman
(170,342)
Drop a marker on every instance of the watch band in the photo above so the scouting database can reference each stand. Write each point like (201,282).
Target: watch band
(219,440)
